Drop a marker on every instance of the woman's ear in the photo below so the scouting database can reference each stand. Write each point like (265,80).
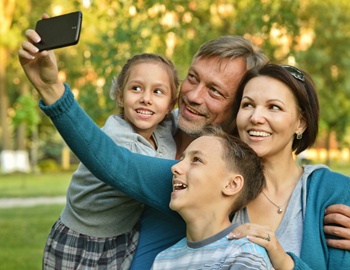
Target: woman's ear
(233,185)
(302,125)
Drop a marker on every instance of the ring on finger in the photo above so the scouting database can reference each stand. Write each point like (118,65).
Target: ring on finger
(268,237)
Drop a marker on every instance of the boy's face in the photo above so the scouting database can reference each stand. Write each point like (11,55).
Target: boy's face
(200,176)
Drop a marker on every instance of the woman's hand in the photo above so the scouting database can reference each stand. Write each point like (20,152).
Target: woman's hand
(337,223)
(40,68)
(266,238)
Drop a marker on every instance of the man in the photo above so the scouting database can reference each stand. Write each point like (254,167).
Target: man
(208,91)
(205,97)
(218,175)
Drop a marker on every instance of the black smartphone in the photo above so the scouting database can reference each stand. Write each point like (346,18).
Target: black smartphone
(60,31)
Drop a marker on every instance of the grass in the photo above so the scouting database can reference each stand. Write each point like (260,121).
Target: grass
(34,185)
(24,230)
(23,235)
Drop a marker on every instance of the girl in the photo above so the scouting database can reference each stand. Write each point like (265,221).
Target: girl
(98,226)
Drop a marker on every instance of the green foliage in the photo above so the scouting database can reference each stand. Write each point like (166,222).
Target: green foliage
(328,61)
(113,31)
(26,112)
(48,165)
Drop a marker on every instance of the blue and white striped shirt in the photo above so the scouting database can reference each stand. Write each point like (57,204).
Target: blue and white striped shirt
(216,252)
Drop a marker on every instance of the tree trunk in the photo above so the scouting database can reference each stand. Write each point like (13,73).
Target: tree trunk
(4,103)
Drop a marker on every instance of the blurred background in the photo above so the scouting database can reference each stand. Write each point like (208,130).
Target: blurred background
(310,34)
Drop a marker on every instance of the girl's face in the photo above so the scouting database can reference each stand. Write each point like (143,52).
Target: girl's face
(269,118)
(147,97)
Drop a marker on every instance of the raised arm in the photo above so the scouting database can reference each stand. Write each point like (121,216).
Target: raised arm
(144,178)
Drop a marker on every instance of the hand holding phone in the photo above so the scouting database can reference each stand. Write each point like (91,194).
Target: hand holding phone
(60,31)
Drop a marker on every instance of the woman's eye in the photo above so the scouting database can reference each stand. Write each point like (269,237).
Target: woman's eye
(246,105)
(275,107)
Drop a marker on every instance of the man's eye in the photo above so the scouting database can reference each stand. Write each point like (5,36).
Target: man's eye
(215,92)
(191,78)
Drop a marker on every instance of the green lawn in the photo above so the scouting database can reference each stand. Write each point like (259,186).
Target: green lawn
(23,230)
(34,185)
(23,235)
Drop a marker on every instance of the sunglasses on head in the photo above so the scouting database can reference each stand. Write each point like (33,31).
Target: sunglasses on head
(295,72)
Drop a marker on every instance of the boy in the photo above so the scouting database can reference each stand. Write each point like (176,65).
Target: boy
(217,175)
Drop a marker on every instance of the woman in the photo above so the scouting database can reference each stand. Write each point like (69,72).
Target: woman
(277,115)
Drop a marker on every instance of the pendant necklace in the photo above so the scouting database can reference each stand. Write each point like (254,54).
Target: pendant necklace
(279,208)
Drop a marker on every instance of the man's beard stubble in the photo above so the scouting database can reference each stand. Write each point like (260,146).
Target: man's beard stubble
(191,128)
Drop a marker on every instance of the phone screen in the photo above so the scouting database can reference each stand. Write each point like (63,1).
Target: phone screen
(60,31)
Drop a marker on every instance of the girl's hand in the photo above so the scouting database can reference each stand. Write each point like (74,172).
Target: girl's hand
(40,68)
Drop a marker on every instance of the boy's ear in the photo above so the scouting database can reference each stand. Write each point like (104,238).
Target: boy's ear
(233,185)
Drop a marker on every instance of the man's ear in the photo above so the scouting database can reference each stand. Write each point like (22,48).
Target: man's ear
(233,185)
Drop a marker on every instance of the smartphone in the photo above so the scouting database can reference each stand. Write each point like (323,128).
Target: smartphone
(60,31)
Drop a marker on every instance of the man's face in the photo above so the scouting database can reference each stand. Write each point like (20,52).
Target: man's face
(208,91)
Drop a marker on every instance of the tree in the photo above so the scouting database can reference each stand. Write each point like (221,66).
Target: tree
(7,8)
(328,61)
(302,33)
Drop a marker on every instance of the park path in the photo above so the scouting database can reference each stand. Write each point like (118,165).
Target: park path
(28,202)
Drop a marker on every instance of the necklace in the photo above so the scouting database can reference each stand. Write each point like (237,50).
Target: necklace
(279,208)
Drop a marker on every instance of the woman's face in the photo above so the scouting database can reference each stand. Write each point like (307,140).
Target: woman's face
(269,118)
